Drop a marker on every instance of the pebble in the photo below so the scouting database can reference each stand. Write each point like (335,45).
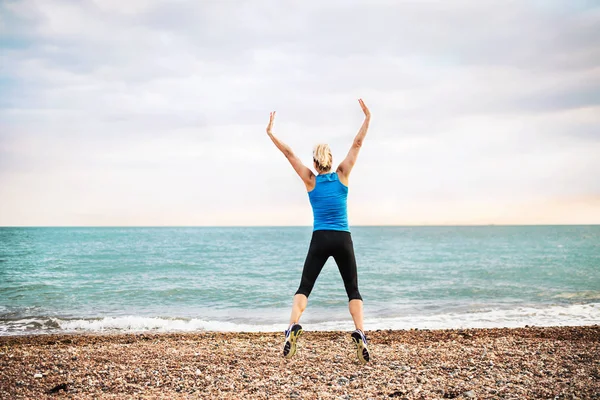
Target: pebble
(567,354)
(37,376)
(58,388)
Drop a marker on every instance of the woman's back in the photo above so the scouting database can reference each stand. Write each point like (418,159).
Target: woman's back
(329,203)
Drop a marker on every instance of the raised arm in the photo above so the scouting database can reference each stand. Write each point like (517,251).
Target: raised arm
(346,166)
(303,172)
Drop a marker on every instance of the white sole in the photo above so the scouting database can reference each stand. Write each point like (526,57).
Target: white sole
(294,335)
(362,352)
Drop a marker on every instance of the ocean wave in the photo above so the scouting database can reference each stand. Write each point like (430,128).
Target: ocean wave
(36,325)
(571,315)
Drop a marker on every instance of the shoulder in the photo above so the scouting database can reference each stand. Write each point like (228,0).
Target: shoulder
(342,176)
(310,181)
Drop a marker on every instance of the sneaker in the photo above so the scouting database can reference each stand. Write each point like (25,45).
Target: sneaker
(362,351)
(291,336)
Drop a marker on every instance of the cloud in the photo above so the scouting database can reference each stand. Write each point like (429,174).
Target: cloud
(166,103)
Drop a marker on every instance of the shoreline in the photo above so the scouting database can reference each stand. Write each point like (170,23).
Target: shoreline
(530,362)
(548,315)
(526,330)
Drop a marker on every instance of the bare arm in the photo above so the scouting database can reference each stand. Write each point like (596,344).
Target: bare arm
(303,172)
(346,166)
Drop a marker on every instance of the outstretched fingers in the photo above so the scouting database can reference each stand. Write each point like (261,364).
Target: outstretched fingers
(271,120)
(364,107)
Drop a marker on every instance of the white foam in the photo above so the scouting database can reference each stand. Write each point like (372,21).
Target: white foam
(571,315)
(132,323)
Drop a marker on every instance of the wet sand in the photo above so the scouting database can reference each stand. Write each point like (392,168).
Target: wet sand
(548,363)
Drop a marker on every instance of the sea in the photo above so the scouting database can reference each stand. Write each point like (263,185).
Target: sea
(173,279)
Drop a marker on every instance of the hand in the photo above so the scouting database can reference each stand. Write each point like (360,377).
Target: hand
(271,120)
(364,108)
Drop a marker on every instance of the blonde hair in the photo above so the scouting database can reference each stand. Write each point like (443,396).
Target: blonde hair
(322,157)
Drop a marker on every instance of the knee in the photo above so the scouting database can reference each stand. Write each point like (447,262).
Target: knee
(301,295)
(353,294)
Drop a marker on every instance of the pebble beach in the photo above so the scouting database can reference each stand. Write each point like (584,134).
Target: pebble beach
(530,362)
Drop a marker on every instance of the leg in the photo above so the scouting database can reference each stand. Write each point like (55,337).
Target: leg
(344,257)
(315,260)
(298,308)
(356,310)
(346,262)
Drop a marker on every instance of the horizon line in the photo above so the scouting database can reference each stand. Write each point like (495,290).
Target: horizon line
(289,226)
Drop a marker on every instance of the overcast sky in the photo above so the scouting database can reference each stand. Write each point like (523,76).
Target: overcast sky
(130,112)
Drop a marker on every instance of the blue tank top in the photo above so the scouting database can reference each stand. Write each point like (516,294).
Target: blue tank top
(329,203)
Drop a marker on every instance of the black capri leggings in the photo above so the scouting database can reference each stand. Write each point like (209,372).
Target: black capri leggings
(323,245)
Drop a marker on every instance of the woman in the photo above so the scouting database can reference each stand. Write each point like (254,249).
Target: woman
(327,192)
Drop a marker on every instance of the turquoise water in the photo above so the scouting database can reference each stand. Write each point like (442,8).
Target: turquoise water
(98,279)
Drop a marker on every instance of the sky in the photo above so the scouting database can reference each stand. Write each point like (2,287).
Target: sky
(151,113)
